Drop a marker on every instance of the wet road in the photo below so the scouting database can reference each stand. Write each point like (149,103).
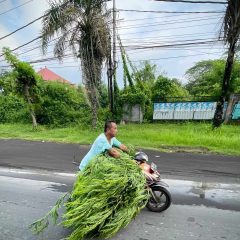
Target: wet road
(205,191)
(60,157)
(199,210)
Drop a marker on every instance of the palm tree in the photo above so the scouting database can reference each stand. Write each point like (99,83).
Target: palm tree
(230,33)
(83,27)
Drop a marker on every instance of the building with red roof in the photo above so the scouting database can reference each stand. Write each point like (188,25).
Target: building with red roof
(49,75)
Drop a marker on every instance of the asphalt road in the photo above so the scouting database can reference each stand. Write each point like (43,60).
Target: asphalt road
(66,157)
(196,212)
(205,191)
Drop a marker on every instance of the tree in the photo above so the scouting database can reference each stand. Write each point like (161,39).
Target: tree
(7,82)
(144,78)
(25,80)
(126,73)
(146,74)
(205,77)
(230,33)
(82,26)
(165,88)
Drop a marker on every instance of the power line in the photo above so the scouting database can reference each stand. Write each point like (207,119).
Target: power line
(173,45)
(152,11)
(44,59)
(31,42)
(53,64)
(139,47)
(57,38)
(188,1)
(12,50)
(76,61)
(170,36)
(28,44)
(22,27)
(166,37)
(27,23)
(148,18)
(167,22)
(189,48)
(35,55)
(53,39)
(198,25)
(185,40)
(165,58)
(179,48)
(16,7)
(174,48)
(153,59)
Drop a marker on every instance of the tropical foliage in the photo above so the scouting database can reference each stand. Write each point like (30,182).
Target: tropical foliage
(81,26)
(13,109)
(165,89)
(230,33)
(106,196)
(205,78)
(25,80)
(57,104)
(62,105)
(143,87)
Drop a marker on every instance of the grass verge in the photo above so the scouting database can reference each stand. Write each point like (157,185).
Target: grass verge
(185,137)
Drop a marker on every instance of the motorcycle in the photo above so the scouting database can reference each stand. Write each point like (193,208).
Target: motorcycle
(160,198)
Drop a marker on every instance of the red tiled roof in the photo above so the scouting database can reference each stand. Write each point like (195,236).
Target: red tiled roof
(49,75)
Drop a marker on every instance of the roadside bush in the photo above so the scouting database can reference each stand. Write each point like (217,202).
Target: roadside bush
(13,109)
(164,88)
(61,105)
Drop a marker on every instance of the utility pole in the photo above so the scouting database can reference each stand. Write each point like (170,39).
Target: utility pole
(110,77)
(114,36)
(112,62)
(114,50)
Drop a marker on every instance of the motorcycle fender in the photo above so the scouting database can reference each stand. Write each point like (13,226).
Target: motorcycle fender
(159,184)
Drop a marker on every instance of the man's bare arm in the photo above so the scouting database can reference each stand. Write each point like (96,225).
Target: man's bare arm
(114,153)
(123,148)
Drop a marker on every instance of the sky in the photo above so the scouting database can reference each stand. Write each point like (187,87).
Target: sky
(136,29)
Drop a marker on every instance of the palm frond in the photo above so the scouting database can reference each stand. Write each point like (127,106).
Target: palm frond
(61,44)
(83,27)
(57,19)
(41,224)
(230,30)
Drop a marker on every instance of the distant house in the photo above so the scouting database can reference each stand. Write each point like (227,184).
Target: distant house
(49,75)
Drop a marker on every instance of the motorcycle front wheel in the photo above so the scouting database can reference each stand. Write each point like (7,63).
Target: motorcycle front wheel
(160,201)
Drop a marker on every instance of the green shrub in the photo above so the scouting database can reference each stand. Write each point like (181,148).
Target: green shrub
(61,105)
(13,109)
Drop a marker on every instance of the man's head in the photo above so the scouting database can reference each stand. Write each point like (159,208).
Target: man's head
(110,128)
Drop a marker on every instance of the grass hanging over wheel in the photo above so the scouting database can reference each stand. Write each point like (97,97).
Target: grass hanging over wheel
(106,196)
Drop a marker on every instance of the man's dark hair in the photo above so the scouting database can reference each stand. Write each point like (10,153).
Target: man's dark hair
(108,124)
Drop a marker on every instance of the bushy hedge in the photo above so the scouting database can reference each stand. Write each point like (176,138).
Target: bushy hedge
(13,109)
(57,105)
(61,104)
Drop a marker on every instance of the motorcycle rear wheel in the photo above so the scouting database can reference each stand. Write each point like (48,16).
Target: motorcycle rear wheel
(163,198)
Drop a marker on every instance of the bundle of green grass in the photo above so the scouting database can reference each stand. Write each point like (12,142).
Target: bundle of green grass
(106,196)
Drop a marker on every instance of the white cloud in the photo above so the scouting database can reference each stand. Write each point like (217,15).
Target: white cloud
(10,41)
(168,31)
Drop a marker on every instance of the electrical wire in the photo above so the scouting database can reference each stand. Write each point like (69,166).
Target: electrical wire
(15,7)
(189,1)
(28,24)
(153,11)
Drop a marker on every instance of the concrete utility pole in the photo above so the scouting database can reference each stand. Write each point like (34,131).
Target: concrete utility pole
(110,76)
(114,51)
(112,62)
(114,37)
